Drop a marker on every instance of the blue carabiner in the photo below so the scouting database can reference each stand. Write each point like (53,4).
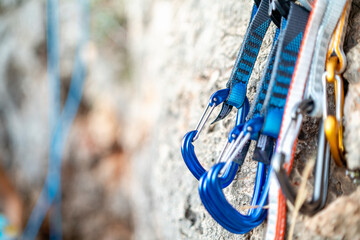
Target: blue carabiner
(254,126)
(187,147)
(210,188)
(236,148)
(220,209)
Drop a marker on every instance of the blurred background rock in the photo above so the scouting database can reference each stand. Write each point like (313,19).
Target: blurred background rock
(96,171)
(153,65)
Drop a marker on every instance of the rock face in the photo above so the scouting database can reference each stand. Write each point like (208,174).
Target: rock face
(183,51)
(345,220)
(352,74)
(123,168)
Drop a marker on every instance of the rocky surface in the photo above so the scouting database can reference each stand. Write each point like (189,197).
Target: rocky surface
(352,75)
(123,174)
(345,220)
(184,51)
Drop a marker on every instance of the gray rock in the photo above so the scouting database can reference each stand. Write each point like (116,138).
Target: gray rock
(189,48)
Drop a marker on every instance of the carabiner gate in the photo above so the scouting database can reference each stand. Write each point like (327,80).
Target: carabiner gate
(322,162)
(215,99)
(239,142)
(335,66)
(187,147)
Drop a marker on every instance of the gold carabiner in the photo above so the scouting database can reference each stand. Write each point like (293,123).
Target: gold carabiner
(333,124)
(335,65)
(337,41)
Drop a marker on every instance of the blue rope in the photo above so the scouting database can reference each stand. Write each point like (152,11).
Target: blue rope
(53,46)
(61,130)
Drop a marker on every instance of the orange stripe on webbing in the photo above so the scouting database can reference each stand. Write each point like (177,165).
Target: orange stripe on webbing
(289,165)
(281,217)
(281,210)
(306,33)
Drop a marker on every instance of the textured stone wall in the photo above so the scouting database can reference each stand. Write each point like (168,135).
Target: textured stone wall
(182,52)
(123,168)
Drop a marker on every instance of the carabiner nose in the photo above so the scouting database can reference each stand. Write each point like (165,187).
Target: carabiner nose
(187,147)
(219,97)
(215,99)
(253,127)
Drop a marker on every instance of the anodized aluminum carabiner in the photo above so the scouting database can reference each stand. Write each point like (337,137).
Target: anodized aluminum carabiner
(223,212)
(187,147)
(239,142)
(321,171)
(335,66)
(212,195)
(333,124)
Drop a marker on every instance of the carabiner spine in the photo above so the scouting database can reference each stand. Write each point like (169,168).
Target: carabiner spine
(333,124)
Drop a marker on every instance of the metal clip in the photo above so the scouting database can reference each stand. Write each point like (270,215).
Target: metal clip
(337,40)
(284,153)
(187,147)
(234,138)
(333,124)
(215,99)
(336,64)
(239,140)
